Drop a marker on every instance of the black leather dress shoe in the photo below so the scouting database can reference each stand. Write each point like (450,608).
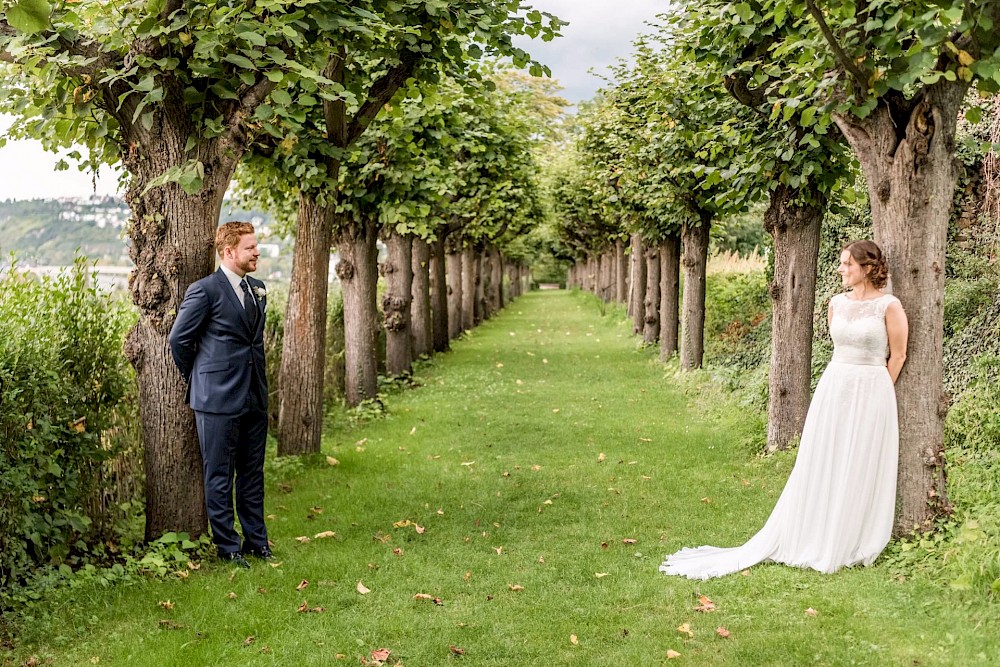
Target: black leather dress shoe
(260,553)
(235,558)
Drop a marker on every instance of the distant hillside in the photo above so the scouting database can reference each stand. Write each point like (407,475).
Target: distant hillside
(50,231)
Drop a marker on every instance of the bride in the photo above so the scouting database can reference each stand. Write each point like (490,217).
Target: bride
(837,507)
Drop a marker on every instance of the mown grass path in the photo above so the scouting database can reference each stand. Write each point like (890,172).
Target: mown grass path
(550,465)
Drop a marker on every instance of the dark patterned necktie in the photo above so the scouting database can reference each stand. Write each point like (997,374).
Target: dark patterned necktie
(249,304)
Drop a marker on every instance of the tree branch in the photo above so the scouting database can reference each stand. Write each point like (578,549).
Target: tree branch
(738,85)
(381,92)
(845,61)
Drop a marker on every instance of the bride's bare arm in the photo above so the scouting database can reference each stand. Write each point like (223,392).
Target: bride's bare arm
(899,330)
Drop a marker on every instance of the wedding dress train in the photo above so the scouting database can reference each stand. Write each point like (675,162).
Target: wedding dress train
(837,507)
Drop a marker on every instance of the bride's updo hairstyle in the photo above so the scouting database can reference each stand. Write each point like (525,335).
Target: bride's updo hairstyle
(867,253)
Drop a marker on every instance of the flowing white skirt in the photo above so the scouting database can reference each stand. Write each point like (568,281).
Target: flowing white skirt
(837,508)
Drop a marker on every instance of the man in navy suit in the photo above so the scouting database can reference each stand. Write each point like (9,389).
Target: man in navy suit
(217,342)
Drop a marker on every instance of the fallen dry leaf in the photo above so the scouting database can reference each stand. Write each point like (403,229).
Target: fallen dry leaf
(811,612)
(499,550)
(705,605)
(397,552)
(278,564)
(722,632)
(515,587)
(231,595)
(467,576)
(332,461)
(541,559)
(304,608)
(413,430)
(706,500)
(685,629)
(364,590)
(536,467)
(601,457)
(171,625)
(645,440)
(600,575)
(671,654)
(456,651)
(381,654)
(629,540)
(574,640)
(194,566)
(302,539)
(604,545)
(468,463)
(324,535)
(302,584)
(166,604)
(249,640)
(420,529)
(183,574)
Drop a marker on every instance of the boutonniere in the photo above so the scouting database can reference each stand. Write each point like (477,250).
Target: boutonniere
(259,292)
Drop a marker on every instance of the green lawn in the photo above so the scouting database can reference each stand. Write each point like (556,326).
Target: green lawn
(550,464)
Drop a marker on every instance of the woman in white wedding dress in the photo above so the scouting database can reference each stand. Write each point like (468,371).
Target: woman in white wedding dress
(837,507)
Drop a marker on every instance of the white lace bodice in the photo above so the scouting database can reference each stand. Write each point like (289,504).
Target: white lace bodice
(858,330)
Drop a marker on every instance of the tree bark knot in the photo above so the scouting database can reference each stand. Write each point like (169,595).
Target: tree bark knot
(386,268)
(394,321)
(345,270)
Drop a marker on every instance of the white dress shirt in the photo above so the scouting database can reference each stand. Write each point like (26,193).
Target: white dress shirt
(234,281)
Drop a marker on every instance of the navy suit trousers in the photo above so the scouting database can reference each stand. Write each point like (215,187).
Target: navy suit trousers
(233,446)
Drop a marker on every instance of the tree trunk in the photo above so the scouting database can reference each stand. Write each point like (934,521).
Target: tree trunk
(670,265)
(906,149)
(358,273)
(637,307)
(172,236)
(796,232)
(479,304)
(486,278)
(303,348)
(651,323)
(439,295)
(469,262)
(396,302)
(421,322)
(694,239)
(498,266)
(621,273)
(456,296)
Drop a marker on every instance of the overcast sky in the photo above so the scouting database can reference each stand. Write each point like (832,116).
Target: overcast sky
(600,31)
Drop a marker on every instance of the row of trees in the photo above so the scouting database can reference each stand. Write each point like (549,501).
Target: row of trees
(180,94)
(730,103)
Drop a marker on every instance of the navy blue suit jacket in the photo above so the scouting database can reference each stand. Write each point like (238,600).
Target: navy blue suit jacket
(214,347)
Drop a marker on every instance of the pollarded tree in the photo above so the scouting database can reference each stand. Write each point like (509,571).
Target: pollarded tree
(305,150)
(898,74)
(802,159)
(690,148)
(167,90)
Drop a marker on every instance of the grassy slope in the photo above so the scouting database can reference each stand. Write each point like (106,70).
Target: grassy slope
(475,457)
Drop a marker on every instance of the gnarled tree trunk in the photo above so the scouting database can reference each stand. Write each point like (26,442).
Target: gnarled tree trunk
(358,273)
(421,322)
(651,322)
(796,231)
(497,281)
(172,237)
(439,295)
(479,303)
(303,350)
(637,300)
(670,265)
(694,239)
(907,151)
(398,272)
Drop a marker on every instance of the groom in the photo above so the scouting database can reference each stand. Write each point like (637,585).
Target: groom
(217,342)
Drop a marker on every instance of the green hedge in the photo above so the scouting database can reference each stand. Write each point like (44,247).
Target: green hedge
(62,376)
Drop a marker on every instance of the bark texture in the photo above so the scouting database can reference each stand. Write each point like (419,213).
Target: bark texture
(456,296)
(651,322)
(906,149)
(439,295)
(398,272)
(694,239)
(621,273)
(303,348)
(637,308)
(479,287)
(358,273)
(670,265)
(796,233)
(421,322)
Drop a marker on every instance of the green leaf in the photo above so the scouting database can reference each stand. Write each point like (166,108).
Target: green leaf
(240,61)
(29,16)
(281,97)
(974,115)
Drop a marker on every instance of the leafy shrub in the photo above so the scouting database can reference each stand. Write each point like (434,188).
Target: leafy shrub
(62,376)
(737,319)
